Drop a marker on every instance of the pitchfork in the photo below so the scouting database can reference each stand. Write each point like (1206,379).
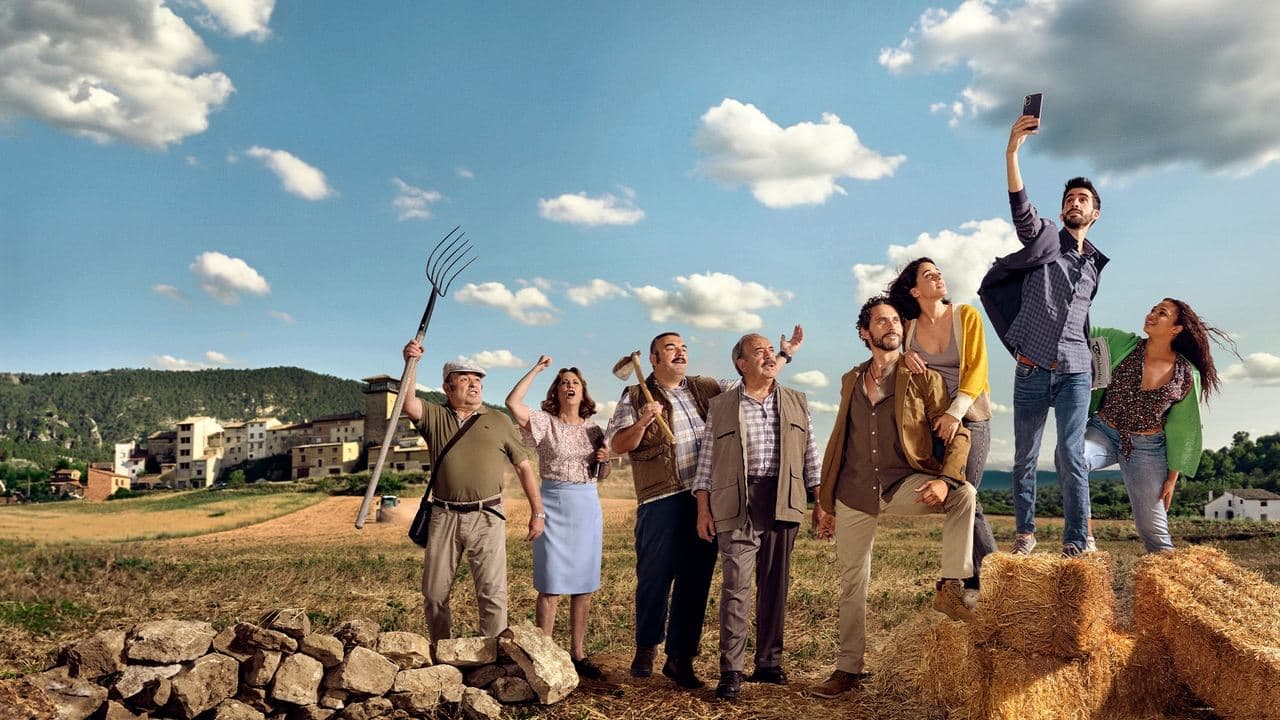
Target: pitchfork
(440,271)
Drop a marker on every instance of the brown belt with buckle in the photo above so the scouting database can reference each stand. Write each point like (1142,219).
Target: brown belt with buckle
(467,507)
(1024,360)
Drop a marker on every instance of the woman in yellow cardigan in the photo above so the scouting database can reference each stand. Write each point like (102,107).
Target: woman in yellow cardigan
(950,339)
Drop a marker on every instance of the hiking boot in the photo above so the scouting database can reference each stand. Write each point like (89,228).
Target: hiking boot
(1090,545)
(1023,544)
(587,669)
(730,686)
(642,663)
(1071,550)
(771,675)
(838,684)
(680,670)
(949,600)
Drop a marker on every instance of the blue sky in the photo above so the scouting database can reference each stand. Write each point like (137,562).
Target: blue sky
(241,183)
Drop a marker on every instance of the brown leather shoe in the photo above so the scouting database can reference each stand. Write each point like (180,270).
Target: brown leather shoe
(642,663)
(838,684)
(949,600)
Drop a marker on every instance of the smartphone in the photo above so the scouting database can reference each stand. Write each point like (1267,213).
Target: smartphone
(1031,104)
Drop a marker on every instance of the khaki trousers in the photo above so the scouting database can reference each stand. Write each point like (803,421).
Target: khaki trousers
(483,538)
(855,536)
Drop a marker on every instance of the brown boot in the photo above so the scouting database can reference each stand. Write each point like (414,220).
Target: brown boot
(949,600)
(642,663)
(838,684)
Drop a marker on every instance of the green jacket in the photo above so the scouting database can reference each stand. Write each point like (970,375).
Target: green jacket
(1182,438)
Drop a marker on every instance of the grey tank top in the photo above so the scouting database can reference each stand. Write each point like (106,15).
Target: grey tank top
(947,362)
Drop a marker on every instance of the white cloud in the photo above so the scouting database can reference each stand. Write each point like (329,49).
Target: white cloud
(242,17)
(218,358)
(797,165)
(594,291)
(581,209)
(604,411)
(297,177)
(1000,409)
(1257,369)
(1164,83)
(226,277)
(282,316)
(714,301)
(811,379)
(413,203)
(528,306)
(127,71)
(963,256)
(493,359)
(170,292)
(427,389)
(466,173)
(824,407)
(169,362)
(192,161)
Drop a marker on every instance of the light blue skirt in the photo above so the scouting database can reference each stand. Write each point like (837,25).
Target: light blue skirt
(566,557)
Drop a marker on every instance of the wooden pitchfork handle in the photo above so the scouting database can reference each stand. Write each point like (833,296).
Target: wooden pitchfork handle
(648,396)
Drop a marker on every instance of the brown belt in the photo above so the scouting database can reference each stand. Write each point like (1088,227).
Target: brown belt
(466,507)
(1024,360)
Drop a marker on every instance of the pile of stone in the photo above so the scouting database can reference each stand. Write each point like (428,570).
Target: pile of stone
(280,669)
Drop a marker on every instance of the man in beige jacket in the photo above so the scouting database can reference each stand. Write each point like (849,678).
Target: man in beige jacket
(881,459)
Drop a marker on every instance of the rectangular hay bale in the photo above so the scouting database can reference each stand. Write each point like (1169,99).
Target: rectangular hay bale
(1221,625)
(921,669)
(1044,604)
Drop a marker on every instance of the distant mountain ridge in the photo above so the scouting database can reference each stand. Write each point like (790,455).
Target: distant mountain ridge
(81,415)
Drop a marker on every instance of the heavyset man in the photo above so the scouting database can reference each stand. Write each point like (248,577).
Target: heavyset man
(758,458)
(466,516)
(880,460)
(1038,301)
(671,561)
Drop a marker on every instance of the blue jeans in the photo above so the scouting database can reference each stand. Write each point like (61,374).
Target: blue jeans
(1035,390)
(1144,472)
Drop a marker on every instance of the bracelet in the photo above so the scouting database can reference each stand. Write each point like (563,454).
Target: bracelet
(785,356)
(540,515)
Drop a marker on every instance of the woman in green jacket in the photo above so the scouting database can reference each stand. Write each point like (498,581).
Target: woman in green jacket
(1148,418)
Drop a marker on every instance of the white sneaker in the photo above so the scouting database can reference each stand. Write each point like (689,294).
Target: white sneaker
(1090,544)
(1023,544)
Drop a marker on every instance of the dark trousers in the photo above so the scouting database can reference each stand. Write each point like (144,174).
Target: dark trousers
(671,560)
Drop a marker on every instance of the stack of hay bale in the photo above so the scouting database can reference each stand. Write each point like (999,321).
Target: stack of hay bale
(1220,624)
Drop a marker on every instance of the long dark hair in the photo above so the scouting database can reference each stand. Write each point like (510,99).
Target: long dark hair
(899,290)
(1193,344)
(586,408)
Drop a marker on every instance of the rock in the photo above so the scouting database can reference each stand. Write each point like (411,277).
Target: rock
(406,649)
(452,693)
(203,685)
(427,680)
(135,677)
(169,641)
(364,671)
(74,698)
(512,690)
(100,655)
(546,666)
(255,697)
(467,652)
(298,680)
(22,699)
(359,632)
(417,702)
(115,711)
(325,648)
(333,699)
(290,621)
(371,709)
(482,676)
(250,637)
(310,712)
(477,705)
(225,643)
(236,710)
(511,669)
(154,695)
(259,669)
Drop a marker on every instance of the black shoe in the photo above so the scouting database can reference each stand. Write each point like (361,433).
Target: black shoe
(730,686)
(681,671)
(587,669)
(642,664)
(771,675)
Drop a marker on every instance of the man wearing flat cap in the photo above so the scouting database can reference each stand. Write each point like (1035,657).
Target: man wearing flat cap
(466,494)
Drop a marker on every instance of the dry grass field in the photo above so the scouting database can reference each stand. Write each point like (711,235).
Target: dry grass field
(54,592)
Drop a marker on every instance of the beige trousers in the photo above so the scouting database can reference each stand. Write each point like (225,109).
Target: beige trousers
(855,536)
(482,537)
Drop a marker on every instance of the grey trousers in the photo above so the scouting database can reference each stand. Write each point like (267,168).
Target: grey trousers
(482,537)
(760,548)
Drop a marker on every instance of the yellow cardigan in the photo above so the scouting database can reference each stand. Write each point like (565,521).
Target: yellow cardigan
(973,398)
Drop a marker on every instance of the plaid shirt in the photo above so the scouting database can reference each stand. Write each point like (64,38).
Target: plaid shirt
(686,426)
(760,433)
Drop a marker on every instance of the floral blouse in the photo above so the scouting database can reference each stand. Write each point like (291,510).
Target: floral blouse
(1128,408)
(565,452)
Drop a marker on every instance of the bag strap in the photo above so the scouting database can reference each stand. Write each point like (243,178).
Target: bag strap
(466,425)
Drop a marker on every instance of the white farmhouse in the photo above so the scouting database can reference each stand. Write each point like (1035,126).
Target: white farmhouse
(1243,504)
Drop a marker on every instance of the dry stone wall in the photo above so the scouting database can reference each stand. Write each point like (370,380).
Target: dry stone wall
(278,669)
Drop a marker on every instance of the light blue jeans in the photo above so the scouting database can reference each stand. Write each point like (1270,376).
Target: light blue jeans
(1035,390)
(1144,471)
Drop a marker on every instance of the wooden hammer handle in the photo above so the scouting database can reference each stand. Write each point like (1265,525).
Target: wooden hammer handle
(648,396)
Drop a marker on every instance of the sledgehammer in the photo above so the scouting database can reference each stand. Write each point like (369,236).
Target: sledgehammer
(623,369)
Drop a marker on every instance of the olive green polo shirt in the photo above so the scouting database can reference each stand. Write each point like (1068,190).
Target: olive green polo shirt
(474,467)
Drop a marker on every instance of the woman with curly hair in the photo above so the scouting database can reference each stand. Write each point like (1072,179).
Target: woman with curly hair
(1147,419)
(950,339)
(571,457)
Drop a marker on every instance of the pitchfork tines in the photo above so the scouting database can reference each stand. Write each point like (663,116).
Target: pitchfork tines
(445,257)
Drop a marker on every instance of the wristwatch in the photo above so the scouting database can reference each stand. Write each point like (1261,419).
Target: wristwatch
(540,515)
(785,356)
